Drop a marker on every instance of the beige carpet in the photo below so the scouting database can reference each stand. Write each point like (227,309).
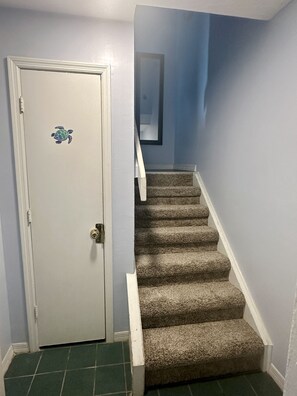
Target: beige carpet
(192,317)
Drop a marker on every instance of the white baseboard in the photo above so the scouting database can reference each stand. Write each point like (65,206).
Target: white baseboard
(251,313)
(164,167)
(7,359)
(121,336)
(14,349)
(152,167)
(276,376)
(20,347)
(185,167)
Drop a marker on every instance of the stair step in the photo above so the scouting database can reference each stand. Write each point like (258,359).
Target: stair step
(188,352)
(158,269)
(171,211)
(169,179)
(172,191)
(171,215)
(147,223)
(179,304)
(176,235)
(176,248)
(168,200)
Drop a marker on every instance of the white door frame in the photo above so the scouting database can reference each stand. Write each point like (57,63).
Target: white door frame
(290,386)
(15,65)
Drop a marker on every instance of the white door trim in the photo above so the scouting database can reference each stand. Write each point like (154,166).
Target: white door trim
(15,65)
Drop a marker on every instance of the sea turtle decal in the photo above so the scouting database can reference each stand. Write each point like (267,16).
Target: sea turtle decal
(61,134)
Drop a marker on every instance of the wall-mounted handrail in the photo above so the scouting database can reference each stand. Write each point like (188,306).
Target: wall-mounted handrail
(139,166)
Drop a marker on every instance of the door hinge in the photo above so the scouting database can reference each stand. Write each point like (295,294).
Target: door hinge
(35,312)
(21,105)
(29,216)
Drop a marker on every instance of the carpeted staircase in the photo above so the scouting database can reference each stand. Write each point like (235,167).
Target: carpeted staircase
(192,316)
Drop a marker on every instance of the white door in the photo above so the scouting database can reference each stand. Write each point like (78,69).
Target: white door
(62,127)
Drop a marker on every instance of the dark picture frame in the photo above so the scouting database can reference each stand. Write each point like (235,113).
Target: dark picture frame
(149,96)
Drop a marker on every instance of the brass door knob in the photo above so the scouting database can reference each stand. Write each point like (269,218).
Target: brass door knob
(94,233)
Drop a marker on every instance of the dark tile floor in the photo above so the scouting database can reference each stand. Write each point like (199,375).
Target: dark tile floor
(259,384)
(104,369)
(85,370)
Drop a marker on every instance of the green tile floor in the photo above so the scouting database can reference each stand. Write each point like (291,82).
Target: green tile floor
(84,370)
(104,369)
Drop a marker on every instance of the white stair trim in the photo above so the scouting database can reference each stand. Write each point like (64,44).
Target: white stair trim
(20,347)
(251,314)
(7,359)
(121,336)
(136,336)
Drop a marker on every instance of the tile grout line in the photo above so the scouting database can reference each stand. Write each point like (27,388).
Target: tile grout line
(113,393)
(64,377)
(251,385)
(74,369)
(34,375)
(94,384)
(220,386)
(125,376)
(190,390)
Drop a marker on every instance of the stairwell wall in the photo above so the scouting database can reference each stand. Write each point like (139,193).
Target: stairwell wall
(192,68)
(155,32)
(246,154)
(182,36)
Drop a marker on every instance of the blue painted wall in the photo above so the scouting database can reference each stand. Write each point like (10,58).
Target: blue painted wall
(53,36)
(155,32)
(247,157)
(182,37)
(192,67)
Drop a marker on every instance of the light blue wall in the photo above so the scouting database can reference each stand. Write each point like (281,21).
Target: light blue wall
(5,332)
(41,35)
(182,36)
(155,32)
(192,66)
(247,157)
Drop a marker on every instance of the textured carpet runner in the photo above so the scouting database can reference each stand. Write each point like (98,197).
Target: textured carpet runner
(192,316)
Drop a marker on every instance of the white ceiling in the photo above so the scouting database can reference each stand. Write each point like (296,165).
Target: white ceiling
(123,10)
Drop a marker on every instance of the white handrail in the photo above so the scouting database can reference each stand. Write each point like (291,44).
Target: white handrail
(139,166)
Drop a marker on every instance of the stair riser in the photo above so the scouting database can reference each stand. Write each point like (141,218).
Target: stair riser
(186,191)
(147,223)
(191,317)
(184,278)
(159,249)
(205,370)
(169,201)
(171,212)
(162,237)
(169,179)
